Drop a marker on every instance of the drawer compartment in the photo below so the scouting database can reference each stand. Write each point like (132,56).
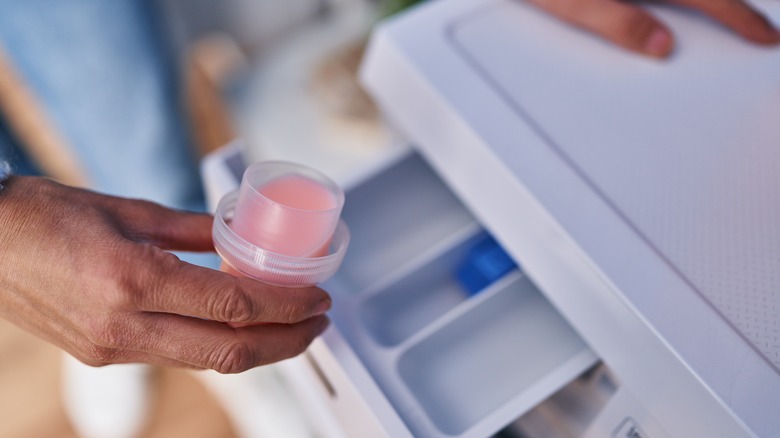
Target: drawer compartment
(397,215)
(396,312)
(448,364)
(501,352)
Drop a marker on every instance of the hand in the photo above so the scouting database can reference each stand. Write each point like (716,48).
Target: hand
(635,29)
(88,272)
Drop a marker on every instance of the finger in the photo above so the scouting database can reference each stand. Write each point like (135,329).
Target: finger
(738,16)
(102,356)
(147,222)
(71,339)
(169,285)
(209,344)
(153,359)
(623,24)
(96,353)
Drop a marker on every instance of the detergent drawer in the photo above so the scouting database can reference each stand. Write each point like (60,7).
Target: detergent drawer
(408,344)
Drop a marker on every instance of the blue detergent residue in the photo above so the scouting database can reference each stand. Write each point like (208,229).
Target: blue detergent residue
(485,264)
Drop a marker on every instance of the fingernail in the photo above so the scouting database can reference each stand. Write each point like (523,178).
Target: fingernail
(323,306)
(658,43)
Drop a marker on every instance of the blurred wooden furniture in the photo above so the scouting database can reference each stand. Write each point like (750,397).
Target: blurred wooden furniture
(209,62)
(31,125)
(30,403)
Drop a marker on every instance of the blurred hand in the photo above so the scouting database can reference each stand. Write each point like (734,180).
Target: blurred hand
(630,26)
(88,272)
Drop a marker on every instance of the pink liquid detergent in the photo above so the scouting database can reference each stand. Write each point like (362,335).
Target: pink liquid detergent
(290,217)
(279,226)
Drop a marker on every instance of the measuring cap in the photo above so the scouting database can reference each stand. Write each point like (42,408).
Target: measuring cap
(282,225)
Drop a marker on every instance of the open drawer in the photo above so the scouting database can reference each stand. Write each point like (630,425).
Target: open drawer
(409,352)
(416,346)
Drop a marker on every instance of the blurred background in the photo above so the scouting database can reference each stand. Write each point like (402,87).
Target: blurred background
(90,90)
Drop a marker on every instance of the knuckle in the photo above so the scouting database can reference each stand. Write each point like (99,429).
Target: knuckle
(47,188)
(123,293)
(233,358)
(231,304)
(162,261)
(124,286)
(111,332)
(146,280)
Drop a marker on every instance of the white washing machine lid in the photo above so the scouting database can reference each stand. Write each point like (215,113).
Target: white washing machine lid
(666,174)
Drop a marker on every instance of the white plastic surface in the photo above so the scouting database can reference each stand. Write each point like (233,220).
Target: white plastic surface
(691,165)
(397,221)
(510,348)
(452,76)
(450,365)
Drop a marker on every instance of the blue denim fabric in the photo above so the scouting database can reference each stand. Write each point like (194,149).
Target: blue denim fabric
(13,153)
(99,70)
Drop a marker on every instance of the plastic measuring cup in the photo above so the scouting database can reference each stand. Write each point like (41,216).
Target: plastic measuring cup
(282,225)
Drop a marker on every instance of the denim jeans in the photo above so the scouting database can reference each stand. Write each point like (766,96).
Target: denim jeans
(100,72)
